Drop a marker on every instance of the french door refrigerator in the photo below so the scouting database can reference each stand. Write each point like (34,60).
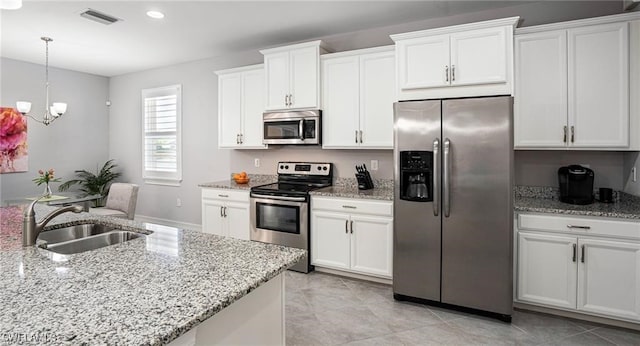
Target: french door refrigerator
(453,212)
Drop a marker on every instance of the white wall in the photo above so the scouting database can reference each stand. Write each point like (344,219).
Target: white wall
(202,161)
(78,140)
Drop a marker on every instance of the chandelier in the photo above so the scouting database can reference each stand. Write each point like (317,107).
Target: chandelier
(51,112)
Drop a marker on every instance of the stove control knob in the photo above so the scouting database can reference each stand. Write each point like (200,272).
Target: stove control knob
(319,168)
(281,167)
(324,168)
(286,167)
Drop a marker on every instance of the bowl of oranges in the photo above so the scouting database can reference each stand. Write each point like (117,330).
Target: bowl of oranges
(241,178)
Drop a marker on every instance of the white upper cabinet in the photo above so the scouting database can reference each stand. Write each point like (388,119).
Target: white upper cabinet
(240,107)
(540,106)
(572,86)
(465,60)
(293,76)
(599,85)
(358,94)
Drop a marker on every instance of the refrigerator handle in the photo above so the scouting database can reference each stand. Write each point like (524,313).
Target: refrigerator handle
(446,179)
(436,173)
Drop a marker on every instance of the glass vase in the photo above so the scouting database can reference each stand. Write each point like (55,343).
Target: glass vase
(47,191)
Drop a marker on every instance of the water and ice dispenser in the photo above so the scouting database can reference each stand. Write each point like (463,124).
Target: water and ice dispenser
(416,176)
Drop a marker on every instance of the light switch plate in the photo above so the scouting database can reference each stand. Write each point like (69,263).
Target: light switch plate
(256,162)
(374,165)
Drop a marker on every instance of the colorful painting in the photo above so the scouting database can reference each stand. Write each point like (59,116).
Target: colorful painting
(13,141)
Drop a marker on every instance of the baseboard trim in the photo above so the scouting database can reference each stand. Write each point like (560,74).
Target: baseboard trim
(167,222)
(353,275)
(577,316)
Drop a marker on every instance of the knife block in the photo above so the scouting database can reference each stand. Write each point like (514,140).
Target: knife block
(364,181)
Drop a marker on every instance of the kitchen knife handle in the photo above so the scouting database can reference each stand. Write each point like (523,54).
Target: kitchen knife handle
(575,253)
(435,173)
(447,179)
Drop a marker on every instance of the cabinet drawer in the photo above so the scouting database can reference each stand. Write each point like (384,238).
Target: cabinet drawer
(353,206)
(579,225)
(226,195)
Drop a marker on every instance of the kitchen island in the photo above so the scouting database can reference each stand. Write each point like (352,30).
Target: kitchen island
(152,290)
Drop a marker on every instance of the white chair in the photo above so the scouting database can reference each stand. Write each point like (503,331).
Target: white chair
(121,201)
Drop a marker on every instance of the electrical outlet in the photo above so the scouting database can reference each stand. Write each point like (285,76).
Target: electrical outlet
(256,162)
(374,165)
(178,202)
(634,175)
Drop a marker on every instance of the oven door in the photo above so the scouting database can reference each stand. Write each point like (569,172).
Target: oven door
(280,220)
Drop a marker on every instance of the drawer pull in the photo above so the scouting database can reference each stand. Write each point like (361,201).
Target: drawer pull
(346,226)
(223,195)
(349,207)
(582,257)
(579,227)
(575,253)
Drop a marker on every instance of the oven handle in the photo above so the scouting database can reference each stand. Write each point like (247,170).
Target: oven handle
(280,120)
(282,198)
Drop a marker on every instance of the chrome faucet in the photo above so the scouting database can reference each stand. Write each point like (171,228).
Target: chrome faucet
(31,229)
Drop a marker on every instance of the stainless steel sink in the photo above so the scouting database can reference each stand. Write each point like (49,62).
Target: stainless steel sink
(92,242)
(73,232)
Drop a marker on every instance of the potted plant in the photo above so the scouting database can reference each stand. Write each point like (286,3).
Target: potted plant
(93,184)
(46,177)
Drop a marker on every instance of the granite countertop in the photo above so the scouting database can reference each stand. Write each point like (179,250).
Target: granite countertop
(254,180)
(544,200)
(348,188)
(147,291)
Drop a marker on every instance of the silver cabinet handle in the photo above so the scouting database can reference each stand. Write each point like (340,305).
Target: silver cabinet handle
(446,177)
(349,207)
(573,134)
(237,138)
(446,73)
(286,100)
(436,182)
(290,100)
(360,136)
(579,227)
(225,196)
(221,215)
(356,136)
(351,226)
(225,211)
(279,198)
(301,129)
(565,134)
(453,73)
(346,226)
(582,257)
(575,253)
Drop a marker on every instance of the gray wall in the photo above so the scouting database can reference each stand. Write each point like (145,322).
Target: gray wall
(202,160)
(78,140)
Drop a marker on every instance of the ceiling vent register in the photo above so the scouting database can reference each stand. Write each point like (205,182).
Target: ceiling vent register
(99,17)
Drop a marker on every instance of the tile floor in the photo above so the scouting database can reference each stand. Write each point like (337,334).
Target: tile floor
(323,309)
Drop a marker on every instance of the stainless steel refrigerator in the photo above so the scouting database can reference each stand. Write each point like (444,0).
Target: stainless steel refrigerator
(453,203)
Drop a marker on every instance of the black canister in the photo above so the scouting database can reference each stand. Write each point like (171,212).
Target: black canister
(606,195)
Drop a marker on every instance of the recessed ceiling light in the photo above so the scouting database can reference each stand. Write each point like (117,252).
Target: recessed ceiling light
(10,4)
(155,14)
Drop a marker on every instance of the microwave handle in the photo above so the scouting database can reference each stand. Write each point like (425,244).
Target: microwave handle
(301,129)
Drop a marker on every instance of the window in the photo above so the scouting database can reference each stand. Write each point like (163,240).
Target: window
(162,147)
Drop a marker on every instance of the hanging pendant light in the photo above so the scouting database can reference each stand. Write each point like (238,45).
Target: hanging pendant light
(51,112)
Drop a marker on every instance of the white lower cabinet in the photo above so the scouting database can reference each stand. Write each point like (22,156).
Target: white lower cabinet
(352,235)
(226,213)
(588,268)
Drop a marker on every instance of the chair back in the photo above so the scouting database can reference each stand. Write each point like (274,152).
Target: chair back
(123,197)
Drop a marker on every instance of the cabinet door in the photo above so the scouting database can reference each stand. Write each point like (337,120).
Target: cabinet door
(377,95)
(237,218)
(547,269)
(599,85)
(340,102)
(212,217)
(479,57)
(330,240)
(609,278)
(253,107)
(229,109)
(276,68)
(540,106)
(372,245)
(423,62)
(304,82)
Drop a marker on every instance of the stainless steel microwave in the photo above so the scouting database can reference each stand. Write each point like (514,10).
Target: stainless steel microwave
(293,127)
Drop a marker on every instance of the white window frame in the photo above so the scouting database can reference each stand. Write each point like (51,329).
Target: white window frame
(156,177)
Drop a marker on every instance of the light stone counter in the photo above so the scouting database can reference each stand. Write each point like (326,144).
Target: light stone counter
(147,291)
